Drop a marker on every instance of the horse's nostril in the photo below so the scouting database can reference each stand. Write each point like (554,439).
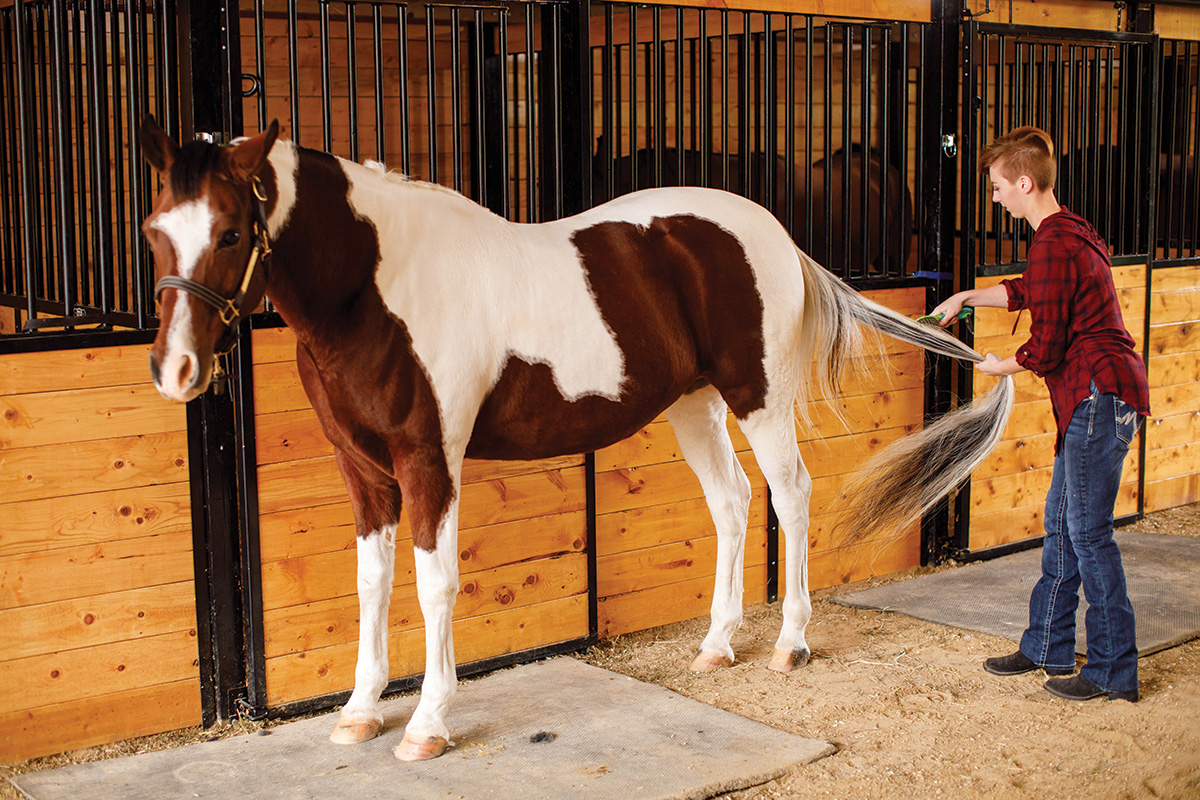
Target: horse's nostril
(155,371)
(187,371)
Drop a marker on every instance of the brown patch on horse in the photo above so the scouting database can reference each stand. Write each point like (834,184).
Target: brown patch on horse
(670,292)
(374,401)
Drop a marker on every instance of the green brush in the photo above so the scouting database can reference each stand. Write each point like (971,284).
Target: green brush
(936,319)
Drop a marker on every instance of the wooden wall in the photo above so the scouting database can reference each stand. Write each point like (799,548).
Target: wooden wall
(1008,491)
(1173,433)
(522,550)
(97,605)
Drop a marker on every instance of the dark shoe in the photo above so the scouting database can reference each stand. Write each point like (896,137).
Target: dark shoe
(1017,664)
(1080,688)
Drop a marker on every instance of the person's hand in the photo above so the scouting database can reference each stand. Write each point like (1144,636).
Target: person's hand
(949,309)
(993,365)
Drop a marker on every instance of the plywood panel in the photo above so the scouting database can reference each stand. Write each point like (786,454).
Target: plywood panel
(56,522)
(102,669)
(331,669)
(45,418)
(92,721)
(74,468)
(100,619)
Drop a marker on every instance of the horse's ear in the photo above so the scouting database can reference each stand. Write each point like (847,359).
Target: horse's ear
(248,156)
(159,149)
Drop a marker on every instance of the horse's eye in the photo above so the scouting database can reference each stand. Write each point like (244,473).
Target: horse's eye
(229,238)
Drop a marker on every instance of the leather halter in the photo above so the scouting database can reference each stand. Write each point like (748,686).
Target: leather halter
(230,308)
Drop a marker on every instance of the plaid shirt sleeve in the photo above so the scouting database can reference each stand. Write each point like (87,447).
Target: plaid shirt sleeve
(1049,289)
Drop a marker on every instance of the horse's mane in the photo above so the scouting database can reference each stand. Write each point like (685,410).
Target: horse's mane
(397,177)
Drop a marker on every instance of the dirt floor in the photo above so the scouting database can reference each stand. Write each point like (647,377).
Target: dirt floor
(909,707)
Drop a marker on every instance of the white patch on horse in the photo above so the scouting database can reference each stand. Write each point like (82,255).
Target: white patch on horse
(283,160)
(475,290)
(189,227)
(376,573)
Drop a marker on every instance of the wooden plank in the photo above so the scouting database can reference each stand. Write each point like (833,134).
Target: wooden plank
(1026,488)
(1172,492)
(866,413)
(57,470)
(51,523)
(1176,279)
(317,481)
(1164,432)
(662,605)
(1013,456)
(71,370)
(334,621)
(114,566)
(270,345)
(1173,461)
(656,484)
(658,525)
(67,675)
(304,531)
(1180,337)
(99,720)
(331,669)
(44,418)
(277,388)
(100,619)
(1175,307)
(1166,401)
(675,562)
(1008,525)
(1164,370)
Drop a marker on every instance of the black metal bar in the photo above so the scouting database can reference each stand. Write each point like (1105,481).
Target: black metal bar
(80,156)
(656,73)
(60,91)
(826,257)
(352,78)
(246,465)
(456,122)
(865,157)
(607,150)
(724,98)
(1192,164)
(260,63)
(789,125)
(532,121)
(431,91)
(680,153)
(378,83)
(326,90)
(844,269)
(769,120)
(10,276)
(704,144)
(809,46)
(405,134)
(294,68)
(139,172)
(126,289)
(886,245)
(634,183)
(745,145)
(481,124)
(28,175)
(102,161)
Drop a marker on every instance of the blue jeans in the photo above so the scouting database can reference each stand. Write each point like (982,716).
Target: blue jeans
(1079,548)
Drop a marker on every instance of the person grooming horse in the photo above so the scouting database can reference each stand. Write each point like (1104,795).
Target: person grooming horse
(1098,389)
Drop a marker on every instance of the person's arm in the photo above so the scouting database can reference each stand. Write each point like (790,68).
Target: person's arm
(993,365)
(990,297)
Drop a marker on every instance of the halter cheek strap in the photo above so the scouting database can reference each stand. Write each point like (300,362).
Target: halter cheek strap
(230,308)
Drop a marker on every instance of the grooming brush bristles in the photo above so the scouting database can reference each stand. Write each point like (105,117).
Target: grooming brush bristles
(935,320)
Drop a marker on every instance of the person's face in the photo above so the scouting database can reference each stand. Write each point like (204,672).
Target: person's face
(1013,195)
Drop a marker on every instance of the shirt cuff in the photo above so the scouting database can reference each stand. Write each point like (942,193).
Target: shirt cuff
(1016,293)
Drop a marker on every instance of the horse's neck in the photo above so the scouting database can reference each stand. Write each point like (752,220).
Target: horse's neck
(335,222)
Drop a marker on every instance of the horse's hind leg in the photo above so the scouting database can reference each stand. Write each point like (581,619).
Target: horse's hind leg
(699,423)
(772,435)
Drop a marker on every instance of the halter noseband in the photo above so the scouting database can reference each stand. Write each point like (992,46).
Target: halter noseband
(230,308)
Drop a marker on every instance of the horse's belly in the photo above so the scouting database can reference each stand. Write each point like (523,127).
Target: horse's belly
(526,416)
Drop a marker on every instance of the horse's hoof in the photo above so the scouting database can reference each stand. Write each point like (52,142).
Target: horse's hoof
(788,660)
(355,731)
(707,662)
(421,748)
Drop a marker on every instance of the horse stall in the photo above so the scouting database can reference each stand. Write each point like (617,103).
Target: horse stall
(163,566)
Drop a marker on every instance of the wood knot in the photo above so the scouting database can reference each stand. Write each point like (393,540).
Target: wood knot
(504,596)
(88,619)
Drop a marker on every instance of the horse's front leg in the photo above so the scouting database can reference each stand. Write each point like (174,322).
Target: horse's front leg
(433,509)
(362,718)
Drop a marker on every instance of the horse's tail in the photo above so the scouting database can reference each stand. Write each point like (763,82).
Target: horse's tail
(910,476)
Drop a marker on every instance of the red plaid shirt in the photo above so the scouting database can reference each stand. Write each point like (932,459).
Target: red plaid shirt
(1077,334)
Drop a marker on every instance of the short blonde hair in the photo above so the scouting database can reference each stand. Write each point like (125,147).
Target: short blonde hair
(1024,151)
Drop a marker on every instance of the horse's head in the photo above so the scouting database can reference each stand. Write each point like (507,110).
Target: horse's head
(209,239)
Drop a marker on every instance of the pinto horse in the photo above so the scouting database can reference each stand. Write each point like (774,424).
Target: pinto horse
(430,330)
